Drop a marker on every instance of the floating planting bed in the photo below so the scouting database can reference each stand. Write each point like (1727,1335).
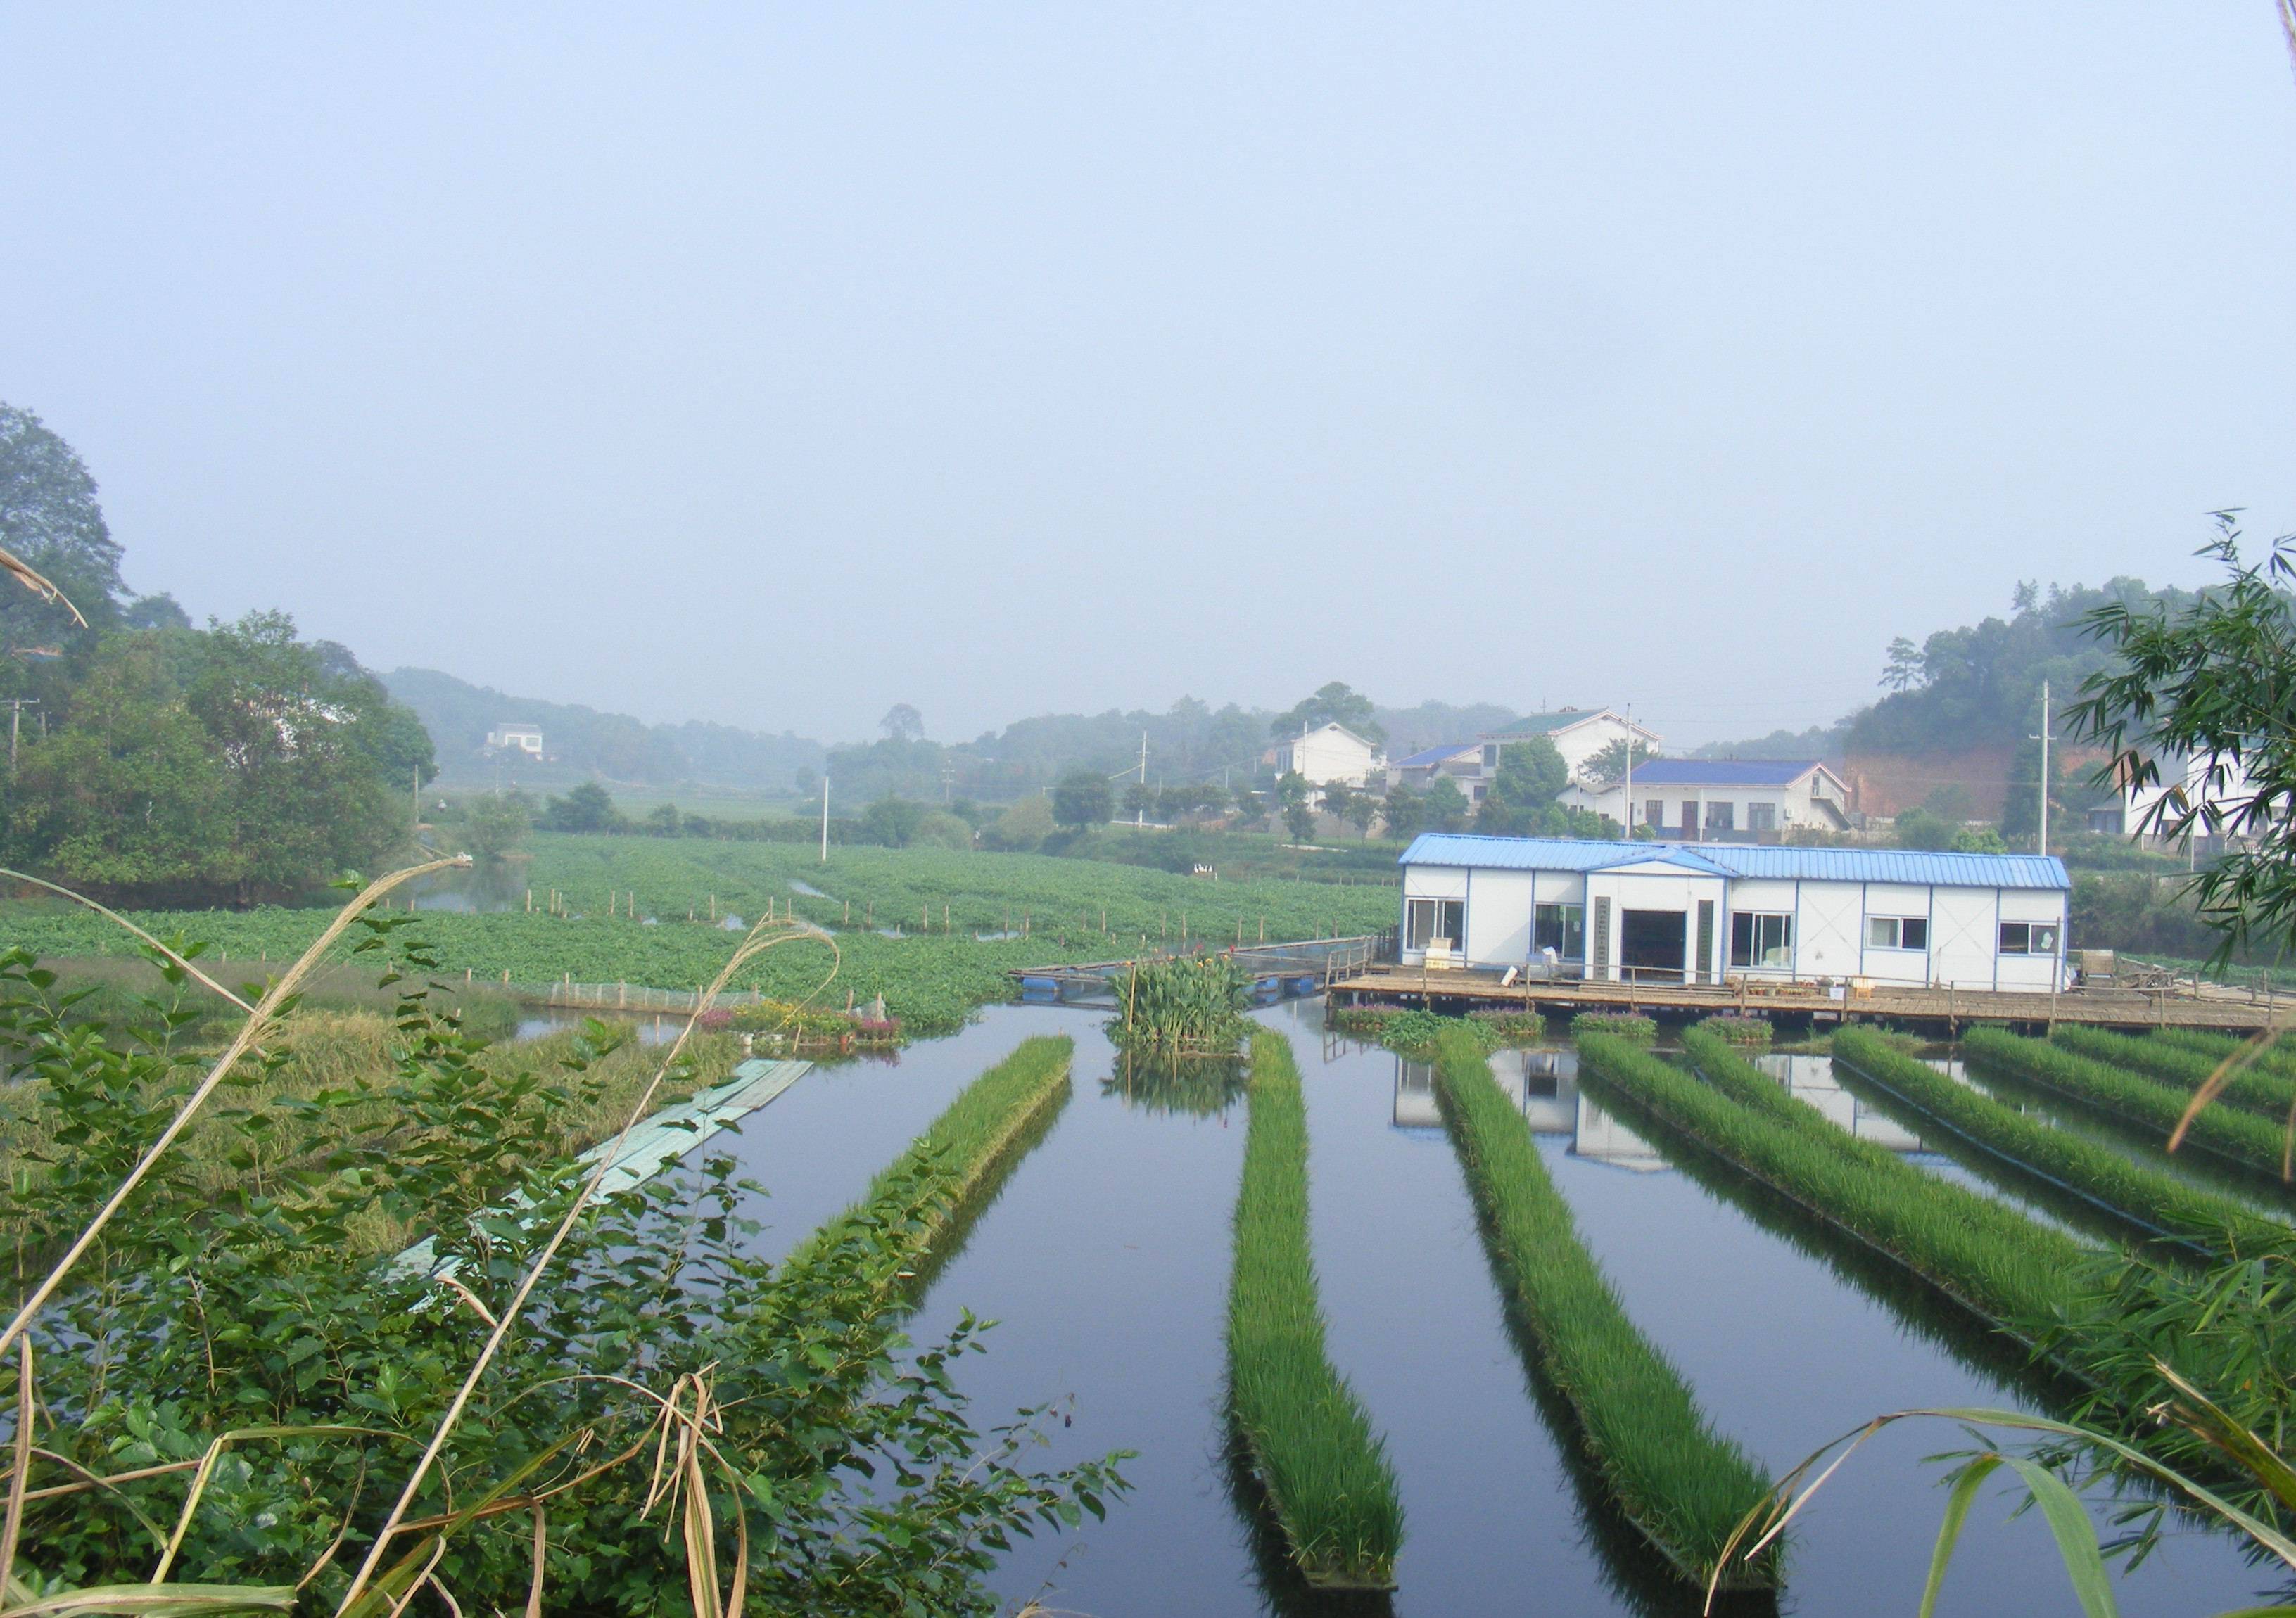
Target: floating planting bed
(1307,1438)
(1623,1025)
(1733,1028)
(2266,1092)
(2141,1105)
(2009,1270)
(1683,1486)
(956,1167)
(2013,1144)
(2279,1057)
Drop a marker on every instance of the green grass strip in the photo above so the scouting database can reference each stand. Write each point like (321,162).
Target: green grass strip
(1997,1262)
(1682,1485)
(1310,1441)
(965,1153)
(2279,1058)
(2264,1089)
(2138,1104)
(2158,1202)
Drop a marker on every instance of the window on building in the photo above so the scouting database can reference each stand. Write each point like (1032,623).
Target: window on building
(1761,817)
(1479,790)
(1490,755)
(2028,938)
(1759,940)
(1690,818)
(1898,933)
(1425,920)
(1654,814)
(1560,927)
(1721,817)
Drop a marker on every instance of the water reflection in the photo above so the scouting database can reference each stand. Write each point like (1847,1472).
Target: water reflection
(1201,1087)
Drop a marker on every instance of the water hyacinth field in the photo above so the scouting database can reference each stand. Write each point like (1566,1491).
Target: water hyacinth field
(1494,1239)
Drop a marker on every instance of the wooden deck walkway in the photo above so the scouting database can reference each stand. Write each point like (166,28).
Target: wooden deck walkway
(2227,1012)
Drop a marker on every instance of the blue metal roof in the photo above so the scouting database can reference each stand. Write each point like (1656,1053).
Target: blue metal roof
(1724,771)
(1746,860)
(1435,755)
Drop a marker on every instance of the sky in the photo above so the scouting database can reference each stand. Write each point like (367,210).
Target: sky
(774,365)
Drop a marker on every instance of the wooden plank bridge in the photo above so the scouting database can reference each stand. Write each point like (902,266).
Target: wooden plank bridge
(2212,1008)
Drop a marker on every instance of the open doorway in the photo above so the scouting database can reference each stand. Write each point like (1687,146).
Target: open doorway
(1653,945)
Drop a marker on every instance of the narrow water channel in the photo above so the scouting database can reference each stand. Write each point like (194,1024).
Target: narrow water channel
(1104,1260)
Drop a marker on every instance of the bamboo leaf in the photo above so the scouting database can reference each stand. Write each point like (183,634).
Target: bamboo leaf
(2076,1536)
(1965,1486)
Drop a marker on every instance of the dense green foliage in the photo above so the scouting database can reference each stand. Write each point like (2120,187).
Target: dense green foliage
(51,520)
(249,1318)
(1189,1005)
(1731,1028)
(1681,1483)
(2136,1104)
(2269,1092)
(1620,1025)
(2157,1200)
(2209,679)
(2277,1057)
(1311,1443)
(2000,1263)
(235,764)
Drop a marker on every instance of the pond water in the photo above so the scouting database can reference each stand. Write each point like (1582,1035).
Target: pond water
(1105,1259)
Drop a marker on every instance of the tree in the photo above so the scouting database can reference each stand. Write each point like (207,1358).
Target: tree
(1404,811)
(1024,826)
(495,822)
(936,829)
(1299,819)
(663,820)
(1081,798)
(1363,809)
(1609,765)
(1444,807)
(586,808)
(892,822)
(1333,704)
(1531,774)
(1339,800)
(1924,827)
(2209,681)
(903,722)
(1903,670)
(1141,802)
(50,518)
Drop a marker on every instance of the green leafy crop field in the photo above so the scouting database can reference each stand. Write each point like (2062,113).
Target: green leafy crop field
(930,980)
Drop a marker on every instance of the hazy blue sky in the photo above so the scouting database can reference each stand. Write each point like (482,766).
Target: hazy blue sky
(773,366)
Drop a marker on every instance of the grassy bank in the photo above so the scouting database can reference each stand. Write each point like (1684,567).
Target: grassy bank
(2157,1202)
(2278,1058)
(2139,1104)
(1682,1485)
(1310,1441)
(1993,1260)
(2265,1091)
(957,1164)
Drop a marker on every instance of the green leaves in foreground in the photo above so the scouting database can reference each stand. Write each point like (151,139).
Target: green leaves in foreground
(1682,1485)
(1310,1441)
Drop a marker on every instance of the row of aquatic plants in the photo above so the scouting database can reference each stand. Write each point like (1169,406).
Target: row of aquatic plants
(2158,1202)
(965,1154)
(1310,1441)
(2238,1138)
(1188,1005)
(1993,1260)
(1412,1028)
(2266,1093)
(1682,1485)
(1736,1028)
(2278,1056)
(1620,1025)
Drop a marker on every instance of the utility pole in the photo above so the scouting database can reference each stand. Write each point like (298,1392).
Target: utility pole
(824,817)
(2044,738)
(418,795)
(16,706)
(1627,807)
(1140,808)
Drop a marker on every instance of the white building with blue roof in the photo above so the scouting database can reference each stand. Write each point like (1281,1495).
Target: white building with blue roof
(1705,800)
(1717,913)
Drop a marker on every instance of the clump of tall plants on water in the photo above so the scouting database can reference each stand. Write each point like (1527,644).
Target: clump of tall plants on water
(1309,1441)
(1682,1485)
(1187,1005)
(597,1403)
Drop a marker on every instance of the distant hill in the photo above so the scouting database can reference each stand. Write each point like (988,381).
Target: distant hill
(580,742)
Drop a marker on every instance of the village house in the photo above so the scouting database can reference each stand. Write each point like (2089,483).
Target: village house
(1709,800)
(526,739)
(1717,913)
(1329,755)
(1578,735)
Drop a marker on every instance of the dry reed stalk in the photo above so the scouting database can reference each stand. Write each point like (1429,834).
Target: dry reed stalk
(118,920)
(2250,1053)
(752,945)
(259,1017)
(22,1469)
(39,585)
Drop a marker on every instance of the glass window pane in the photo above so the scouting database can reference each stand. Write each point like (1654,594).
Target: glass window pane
(1913,933)
(2042,939)
(1881,932)
(2016,935)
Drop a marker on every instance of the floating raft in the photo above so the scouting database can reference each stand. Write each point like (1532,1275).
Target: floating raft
(658,1141)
